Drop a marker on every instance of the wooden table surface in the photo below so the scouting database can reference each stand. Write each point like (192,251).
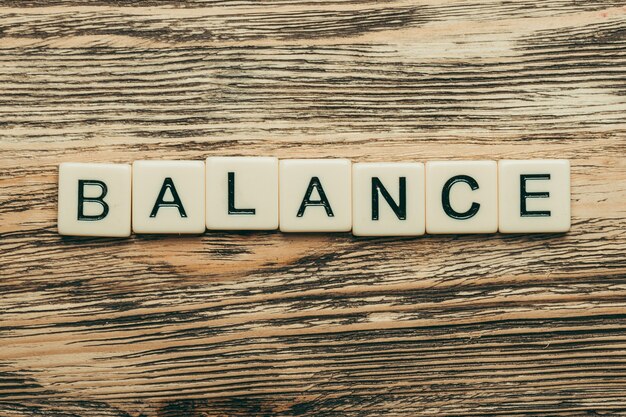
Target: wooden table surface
(247,324)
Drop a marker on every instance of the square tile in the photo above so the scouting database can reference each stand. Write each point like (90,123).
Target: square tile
(242,193)
(388,199)
(94,199)
(534,196)
(168,197)
(315,195)
(461,197)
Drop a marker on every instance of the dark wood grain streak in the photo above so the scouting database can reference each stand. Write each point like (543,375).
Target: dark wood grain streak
(246,324)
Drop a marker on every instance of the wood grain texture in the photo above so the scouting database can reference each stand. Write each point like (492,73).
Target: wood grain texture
(243,324)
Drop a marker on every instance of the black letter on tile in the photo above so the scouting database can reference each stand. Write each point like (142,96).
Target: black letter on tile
(168,184)
(445,197)
(323,201)
(398,209)
(98,200)
(525,194)
(231,198)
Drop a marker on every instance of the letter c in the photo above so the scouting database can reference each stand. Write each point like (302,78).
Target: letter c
(445,197)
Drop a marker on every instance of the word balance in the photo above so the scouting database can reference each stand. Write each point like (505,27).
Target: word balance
(314,195)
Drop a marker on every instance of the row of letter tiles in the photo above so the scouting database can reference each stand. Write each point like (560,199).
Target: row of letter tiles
(314,195)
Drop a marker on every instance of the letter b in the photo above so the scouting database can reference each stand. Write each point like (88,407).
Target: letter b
(98,200)
(94,199)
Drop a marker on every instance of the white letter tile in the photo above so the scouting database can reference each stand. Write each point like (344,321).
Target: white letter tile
(315,195)
(94,199)
(242,193)
(168,197)
(534,196)
(461,197)
(388,199)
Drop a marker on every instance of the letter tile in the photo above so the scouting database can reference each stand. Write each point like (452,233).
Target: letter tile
(315,195)
(242,193)
(168,197)
(461,197)
(94,199)
(388,199)
(534,196)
